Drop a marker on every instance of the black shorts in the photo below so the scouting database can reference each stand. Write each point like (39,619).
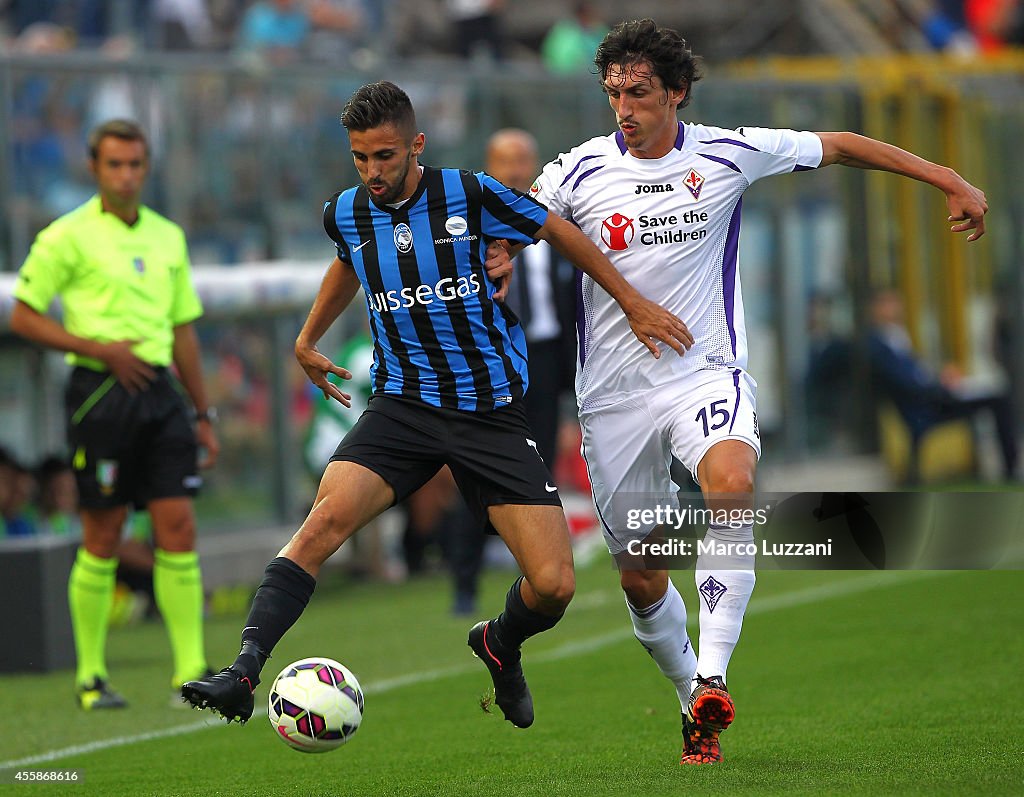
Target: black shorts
(492,455)
(129,449)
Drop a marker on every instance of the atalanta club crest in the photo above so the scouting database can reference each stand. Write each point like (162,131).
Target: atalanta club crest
(403,237)
(694,182)
(617,231)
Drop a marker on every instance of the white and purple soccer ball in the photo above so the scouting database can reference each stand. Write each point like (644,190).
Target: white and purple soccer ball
(315,705)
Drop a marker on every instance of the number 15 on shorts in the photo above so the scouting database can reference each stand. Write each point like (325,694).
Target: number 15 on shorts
(714,416)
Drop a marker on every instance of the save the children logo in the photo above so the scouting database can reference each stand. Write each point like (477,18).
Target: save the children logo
(617,231)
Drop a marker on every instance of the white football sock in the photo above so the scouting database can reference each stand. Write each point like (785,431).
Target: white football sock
(724,584)
(661,629)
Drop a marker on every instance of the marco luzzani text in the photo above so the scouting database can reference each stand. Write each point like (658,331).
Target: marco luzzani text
(675,547)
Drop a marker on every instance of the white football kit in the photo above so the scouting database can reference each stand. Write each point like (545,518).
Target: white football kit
(671,227)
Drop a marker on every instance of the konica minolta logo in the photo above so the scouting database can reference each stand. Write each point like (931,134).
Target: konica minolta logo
(457,229)
(444,290)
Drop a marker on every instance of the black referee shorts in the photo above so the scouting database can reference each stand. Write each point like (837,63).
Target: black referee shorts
(492,455)
(129,448)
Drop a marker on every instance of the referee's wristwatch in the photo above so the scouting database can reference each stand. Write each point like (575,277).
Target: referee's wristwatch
(209,415)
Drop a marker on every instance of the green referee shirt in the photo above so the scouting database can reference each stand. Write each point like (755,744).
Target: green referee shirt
(115,282)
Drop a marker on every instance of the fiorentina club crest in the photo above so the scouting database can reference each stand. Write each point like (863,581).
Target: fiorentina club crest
(712,592)
(617,231)
(694,182)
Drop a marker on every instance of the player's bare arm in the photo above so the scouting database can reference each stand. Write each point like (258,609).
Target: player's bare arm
(967,204)
(337,290)
(117,355)
(649,321)
(190,372)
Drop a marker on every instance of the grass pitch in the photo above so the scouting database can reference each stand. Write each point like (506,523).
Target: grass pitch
(845,683)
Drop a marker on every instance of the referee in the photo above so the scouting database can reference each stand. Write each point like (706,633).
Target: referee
(122,273)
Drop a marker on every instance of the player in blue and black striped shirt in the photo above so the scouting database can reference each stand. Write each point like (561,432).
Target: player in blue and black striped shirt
(438,336)
(449,374)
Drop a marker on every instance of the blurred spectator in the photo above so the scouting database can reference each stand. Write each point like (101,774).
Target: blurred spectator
(182,24)
(46,137)
(945,27)
(543,297)
(923,398)
(16,497)
(569,46)
(477,27)
(427,513)
(438,521)
(377,19)
(332,420)
(121,94)
(336,27)
(134,592)
(225,17)
(275,30)
(23,13)
(995,24)
(828,375)
(7,476)
(44,37)
(56,498)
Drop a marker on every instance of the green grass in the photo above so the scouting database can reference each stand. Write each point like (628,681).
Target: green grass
(873,683)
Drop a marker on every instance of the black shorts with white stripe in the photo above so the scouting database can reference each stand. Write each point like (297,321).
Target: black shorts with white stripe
(492,455)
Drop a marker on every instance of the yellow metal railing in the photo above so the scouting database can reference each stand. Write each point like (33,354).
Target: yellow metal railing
(925,104)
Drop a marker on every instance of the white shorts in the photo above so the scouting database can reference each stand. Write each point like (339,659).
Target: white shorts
(628,446)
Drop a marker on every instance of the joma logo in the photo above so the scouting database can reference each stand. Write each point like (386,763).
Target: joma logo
(659,188)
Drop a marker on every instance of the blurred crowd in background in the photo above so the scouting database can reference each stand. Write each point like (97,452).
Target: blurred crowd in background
(76,62)
(561,35)
(37,498)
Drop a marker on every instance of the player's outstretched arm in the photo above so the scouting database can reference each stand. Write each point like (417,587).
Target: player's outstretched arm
(967,204)
(650,322)
(337,290)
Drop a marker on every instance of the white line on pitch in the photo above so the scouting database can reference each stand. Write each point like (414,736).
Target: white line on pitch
(787,600)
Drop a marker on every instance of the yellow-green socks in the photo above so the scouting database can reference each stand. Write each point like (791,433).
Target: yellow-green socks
(90,596)
(178,587)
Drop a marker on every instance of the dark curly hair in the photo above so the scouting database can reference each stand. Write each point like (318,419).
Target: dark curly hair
(378,104)
(642,41)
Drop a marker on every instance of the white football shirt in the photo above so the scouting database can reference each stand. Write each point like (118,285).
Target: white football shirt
(671,227)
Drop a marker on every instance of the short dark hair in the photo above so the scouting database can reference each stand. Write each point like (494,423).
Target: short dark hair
(124,129)
(640,41)
(379,104)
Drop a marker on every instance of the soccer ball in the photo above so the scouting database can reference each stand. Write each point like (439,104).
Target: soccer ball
(315,705)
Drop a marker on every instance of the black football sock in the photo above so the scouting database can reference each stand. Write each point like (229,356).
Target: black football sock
(282,596)
(519,622)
